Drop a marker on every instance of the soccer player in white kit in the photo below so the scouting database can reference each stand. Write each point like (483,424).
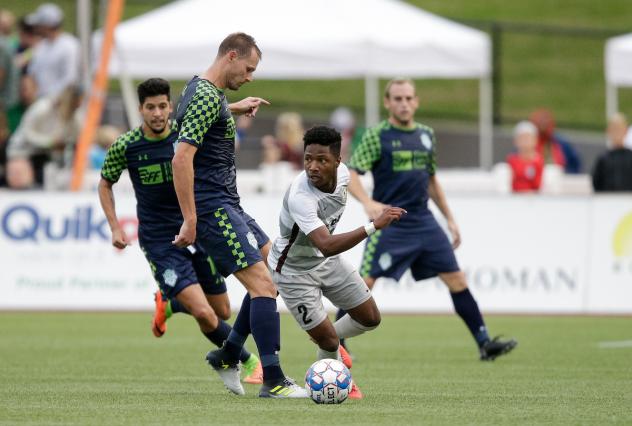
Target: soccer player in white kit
(304,260)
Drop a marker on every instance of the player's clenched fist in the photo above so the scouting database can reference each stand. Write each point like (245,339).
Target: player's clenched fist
(389,215)
(186,237)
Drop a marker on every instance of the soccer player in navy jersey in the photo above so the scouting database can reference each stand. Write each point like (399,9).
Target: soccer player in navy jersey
(187,276)
(205,181)
(400,154)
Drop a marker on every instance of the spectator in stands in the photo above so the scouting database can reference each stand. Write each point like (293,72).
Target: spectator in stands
(553,147)
(343,121)
(242,125)
(628,138)
(49,127)
(27,94)
(7,22)
(613,169)
(4,136)
(105,136)
(27,39)
(526,163)
(8,74)
(55,62)
(287,144)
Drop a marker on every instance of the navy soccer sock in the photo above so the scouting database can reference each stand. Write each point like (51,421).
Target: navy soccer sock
(220,334)
(467,308)
(266,330)
(241,329)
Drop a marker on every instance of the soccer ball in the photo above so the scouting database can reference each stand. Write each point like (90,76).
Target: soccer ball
(328,381)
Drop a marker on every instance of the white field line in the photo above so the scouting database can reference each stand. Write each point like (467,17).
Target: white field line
(616,344)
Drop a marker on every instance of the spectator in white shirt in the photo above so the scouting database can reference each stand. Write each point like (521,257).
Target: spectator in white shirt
(55,63)
(48,130)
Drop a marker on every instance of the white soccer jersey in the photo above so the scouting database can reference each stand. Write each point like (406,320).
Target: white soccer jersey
(306,208)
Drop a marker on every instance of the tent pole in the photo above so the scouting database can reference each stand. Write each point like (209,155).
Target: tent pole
(84,30)
(129,99)
(612,100)
(485,124)
(371,100)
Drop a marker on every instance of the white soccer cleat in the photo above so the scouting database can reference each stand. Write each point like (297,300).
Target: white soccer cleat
(285,388)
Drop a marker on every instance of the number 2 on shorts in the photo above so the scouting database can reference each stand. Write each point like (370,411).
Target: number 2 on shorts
(302,309)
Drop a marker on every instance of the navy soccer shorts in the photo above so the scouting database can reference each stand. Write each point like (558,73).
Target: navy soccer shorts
(232,236)
(416,242)
(176,268)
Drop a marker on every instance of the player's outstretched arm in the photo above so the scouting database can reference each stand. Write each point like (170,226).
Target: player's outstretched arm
(248,106)
(372,208)
(183,183)
(438,196)
(106,197)
(331,245)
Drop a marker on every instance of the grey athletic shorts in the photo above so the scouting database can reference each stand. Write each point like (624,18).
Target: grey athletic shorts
(335,279)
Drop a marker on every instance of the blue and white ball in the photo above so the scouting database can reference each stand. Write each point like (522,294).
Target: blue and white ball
(328,381)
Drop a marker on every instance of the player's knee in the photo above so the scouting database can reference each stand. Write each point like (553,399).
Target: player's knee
(329,342)
(223,312)
(372,320)
(264,288)
(455,281)
(205,315)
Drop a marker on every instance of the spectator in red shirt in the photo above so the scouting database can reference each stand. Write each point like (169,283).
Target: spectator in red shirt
(526,163)
(552,146)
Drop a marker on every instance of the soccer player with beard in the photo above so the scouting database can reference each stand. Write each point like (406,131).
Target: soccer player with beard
(186,276)
(206,184)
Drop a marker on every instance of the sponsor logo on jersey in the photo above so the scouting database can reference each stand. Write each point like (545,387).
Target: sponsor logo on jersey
(385,261)
(426,141)
(155,174)
(252,240)
(170,277)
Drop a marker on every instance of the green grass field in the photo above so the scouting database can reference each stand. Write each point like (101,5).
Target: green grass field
(65,368)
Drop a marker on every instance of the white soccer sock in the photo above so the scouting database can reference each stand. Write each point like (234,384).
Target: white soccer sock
(348,327)
(322,354)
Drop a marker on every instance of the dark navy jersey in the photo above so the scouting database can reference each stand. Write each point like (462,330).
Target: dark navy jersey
(206,123)
(401,161)
(149,164)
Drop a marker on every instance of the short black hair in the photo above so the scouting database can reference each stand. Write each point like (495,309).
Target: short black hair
(153,87)
(241,43)
(324,135)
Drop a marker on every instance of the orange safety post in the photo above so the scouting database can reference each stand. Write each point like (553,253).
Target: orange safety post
(97,95)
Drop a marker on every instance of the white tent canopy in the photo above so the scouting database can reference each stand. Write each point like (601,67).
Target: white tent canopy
(310,40)
(618,61)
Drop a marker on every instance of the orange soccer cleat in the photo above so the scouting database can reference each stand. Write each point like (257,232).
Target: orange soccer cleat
(355,393)
(159,322)
(346,358)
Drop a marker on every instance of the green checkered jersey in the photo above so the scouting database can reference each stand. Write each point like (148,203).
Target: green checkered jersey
(401,161)
(206,123)
(149,164)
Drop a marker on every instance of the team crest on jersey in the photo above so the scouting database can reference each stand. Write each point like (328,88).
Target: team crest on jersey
(385,261)
(170,277)
(426,141)
(252,240)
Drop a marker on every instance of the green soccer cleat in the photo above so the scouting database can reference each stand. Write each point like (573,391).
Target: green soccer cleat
(253,371)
